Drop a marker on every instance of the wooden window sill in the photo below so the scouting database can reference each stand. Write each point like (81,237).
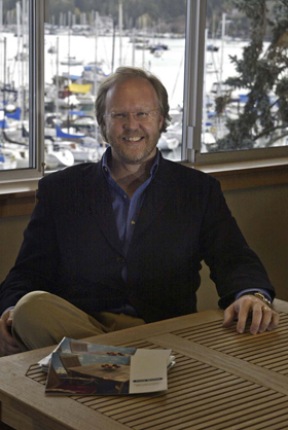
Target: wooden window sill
(246,175)
(232,177)
(252,177)
(17,204)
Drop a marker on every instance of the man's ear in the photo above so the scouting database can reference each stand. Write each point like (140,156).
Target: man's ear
(161,122)
(103,129)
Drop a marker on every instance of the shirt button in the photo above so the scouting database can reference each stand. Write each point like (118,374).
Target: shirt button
(133,222)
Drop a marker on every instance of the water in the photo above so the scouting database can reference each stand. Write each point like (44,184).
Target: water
(169,67)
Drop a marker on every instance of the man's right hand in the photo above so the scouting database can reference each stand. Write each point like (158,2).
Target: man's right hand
(8,345)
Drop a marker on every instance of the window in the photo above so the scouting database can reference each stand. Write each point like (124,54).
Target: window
(113,35)
(241,50)
(57,126)
(21,90)
(200,49)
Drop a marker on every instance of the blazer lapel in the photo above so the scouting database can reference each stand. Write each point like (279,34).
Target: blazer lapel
(101,207)
(158,195)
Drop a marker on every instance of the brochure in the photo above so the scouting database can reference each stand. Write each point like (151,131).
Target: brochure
(79,368)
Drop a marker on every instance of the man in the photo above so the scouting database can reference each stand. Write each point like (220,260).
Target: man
(120,242)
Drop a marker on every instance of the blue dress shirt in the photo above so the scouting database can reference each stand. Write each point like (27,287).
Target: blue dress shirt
(126,211)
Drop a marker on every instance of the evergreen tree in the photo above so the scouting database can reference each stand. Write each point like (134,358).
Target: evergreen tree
(263,72)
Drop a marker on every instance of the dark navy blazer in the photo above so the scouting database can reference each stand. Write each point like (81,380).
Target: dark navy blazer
(71,246)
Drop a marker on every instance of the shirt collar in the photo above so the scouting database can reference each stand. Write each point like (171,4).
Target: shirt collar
(107,155)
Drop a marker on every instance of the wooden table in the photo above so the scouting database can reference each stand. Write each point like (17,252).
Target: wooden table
(222,380)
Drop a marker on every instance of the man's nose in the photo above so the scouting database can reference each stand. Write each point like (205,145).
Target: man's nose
(131,120)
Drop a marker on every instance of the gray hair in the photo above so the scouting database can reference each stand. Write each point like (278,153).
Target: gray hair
(121,74)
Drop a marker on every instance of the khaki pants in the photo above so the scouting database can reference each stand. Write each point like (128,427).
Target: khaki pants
(42,319)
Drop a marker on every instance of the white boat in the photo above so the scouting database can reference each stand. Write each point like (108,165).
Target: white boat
(81,153)
(7,160)
(68,102)
(172,138)
(56,157)
(167,144)
(93,70)
(16,154)
(208,139)
(71,61)
(174,130)
(68,133)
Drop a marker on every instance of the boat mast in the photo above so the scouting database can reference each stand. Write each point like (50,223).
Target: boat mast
(1,16)
(222,52)
(57,76)
(95,70)
(69,57)
(96,51)
(120,30)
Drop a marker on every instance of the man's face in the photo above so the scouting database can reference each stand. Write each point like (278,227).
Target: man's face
(133,120)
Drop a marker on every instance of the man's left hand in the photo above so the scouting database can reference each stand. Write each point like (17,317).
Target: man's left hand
(263,317)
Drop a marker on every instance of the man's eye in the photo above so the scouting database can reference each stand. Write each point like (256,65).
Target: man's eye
(142,115)
(119,115)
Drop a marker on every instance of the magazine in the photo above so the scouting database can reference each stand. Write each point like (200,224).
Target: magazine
(79,368)
(68,345)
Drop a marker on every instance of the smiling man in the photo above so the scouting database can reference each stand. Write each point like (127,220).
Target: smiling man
(132,116)
(133,122)
(119,243)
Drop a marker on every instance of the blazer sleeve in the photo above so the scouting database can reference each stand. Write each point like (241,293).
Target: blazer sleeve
(36,265)
(234,266)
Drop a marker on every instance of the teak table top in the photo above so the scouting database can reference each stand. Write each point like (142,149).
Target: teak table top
(221,380)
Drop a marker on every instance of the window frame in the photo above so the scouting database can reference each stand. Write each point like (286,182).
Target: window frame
(193,101)
(193,77)
(23,180)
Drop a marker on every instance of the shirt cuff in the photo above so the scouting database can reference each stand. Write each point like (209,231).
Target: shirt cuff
(265,293)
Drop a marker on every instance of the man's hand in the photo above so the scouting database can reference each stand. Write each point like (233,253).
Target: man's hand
(263,317)
(8,345)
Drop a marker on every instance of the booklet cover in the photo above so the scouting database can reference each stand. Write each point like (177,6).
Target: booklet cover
(76,368)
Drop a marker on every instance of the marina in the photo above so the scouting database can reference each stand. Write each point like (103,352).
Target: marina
(72,76)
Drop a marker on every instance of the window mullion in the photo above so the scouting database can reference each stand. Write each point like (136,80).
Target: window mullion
(36,84)
(193,79)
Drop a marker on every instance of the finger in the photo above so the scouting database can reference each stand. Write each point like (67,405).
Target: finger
(267,318)
(229,316)
(244,313)
(260,315)
(274,322)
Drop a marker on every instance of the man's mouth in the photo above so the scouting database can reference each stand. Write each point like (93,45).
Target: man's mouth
(133,139)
